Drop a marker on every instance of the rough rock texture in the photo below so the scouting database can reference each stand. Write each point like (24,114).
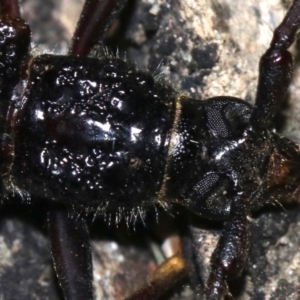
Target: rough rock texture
(204,48)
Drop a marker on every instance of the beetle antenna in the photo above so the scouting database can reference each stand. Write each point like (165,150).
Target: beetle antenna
(275,69)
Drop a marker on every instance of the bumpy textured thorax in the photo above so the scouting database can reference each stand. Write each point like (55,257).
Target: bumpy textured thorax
(93,132)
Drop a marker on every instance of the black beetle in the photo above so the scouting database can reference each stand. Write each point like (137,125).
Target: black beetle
(227,148)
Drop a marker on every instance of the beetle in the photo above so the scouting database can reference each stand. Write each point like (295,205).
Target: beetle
(19,169)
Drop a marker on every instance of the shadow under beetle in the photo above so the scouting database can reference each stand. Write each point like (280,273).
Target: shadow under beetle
(96,136)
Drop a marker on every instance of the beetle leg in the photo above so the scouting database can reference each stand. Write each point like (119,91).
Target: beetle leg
(14,47)
(275,70)
(229,258)
(95,19)
(71,251)
(166,276)
(11,8)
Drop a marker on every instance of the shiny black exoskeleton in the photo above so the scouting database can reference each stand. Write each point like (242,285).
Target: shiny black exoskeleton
(102,132)
(97,136)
